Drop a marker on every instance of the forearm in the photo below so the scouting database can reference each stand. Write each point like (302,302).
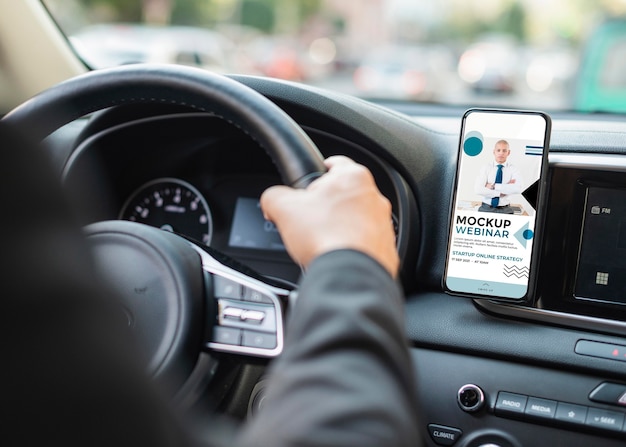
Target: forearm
(481,188)
(508,188)
(487,193)
(345,377)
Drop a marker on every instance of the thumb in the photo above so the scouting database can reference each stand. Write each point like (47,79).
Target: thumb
(275,200)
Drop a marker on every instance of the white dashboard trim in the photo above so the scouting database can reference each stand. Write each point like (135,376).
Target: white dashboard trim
(606,162)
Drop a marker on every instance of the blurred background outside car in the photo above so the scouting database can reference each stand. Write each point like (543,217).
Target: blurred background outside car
(107,45)
(546,54)
(602,75)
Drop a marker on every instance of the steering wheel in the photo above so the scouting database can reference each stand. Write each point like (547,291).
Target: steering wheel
(180,298)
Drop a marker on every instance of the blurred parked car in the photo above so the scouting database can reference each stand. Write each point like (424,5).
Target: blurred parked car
(401,72)
(551,68)
(284,57)
(278,57)
(109,45)
(490,65)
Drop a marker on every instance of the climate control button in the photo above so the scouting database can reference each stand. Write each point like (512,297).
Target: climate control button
(443,435)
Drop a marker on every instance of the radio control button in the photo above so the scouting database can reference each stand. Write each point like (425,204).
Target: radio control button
(509,403)
(540,408)
(576,414)
(607,420)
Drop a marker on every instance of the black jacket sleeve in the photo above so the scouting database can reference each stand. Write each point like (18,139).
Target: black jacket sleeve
(345,377)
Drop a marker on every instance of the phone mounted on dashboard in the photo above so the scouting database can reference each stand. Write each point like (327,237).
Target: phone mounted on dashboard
(497,210)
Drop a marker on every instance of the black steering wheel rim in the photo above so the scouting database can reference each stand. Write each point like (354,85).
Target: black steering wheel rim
(295,155)
(297,158)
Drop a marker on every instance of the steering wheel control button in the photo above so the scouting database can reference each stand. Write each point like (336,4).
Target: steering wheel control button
(540,408)
(254,296)
(606,420)
(259,317)
(234,313)
(443,435)
(238,314)
(227,335)
(609,393)
(226,288)
(470,398)
(574,414)
(510,403)
(254,339)
(253,316)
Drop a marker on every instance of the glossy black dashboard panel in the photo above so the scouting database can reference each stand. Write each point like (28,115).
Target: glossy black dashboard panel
(584,258)
(524,351)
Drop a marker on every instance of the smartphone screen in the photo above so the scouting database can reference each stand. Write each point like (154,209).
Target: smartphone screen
(500,174)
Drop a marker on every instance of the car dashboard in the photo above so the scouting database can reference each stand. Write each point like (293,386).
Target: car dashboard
(550,373)
(142,163)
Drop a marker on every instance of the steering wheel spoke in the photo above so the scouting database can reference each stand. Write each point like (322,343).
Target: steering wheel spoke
(249,313)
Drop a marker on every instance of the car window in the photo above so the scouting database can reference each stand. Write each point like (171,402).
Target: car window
(524,54)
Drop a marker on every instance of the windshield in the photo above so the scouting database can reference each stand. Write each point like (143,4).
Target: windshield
(539,54)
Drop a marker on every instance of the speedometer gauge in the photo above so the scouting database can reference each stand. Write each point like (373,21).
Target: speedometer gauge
(172,205)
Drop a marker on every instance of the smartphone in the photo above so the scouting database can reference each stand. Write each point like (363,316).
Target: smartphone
(497,206)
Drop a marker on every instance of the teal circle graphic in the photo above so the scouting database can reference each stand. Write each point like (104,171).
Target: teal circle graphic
(473,146)
(528,234)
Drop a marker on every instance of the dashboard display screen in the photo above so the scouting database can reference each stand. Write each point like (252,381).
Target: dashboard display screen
(251,230)
(601,273)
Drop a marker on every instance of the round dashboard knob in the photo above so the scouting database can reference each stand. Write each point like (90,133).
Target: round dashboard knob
(470,398)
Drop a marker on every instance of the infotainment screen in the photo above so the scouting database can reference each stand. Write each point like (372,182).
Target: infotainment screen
(251,230)
(601,270)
